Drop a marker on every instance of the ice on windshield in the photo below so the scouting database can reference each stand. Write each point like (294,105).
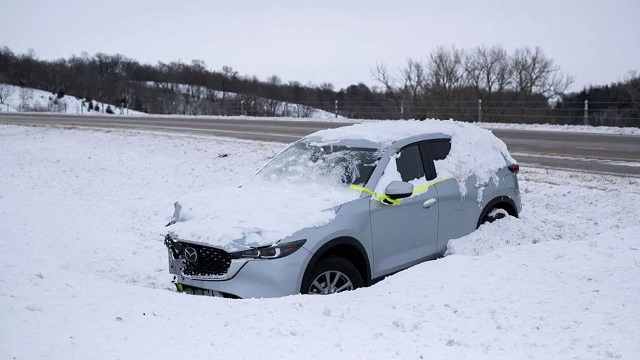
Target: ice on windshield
(327,164)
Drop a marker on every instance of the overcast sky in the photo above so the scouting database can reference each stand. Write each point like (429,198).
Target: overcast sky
(597,41)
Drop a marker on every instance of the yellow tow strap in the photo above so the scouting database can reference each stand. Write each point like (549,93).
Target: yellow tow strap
(426,186)
(380,197)
(386,199)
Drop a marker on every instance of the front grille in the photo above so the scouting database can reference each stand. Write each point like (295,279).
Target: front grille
(211,261)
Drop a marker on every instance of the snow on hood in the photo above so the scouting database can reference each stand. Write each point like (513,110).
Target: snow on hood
(258,214)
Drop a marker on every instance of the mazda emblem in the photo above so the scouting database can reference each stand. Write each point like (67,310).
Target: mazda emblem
(191,254)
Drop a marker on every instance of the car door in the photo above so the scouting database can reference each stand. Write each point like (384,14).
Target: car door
(457,213)
(404,234)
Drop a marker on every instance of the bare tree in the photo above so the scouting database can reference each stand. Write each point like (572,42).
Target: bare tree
(5,92)
(26,98)
(414,80)
(503,71)
(488,69)
(272,102)
(494,67)
(631,84)
(390,84)
(536,73)
(473,66)
(445,68)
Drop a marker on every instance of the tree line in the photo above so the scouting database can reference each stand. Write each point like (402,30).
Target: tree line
(485,83)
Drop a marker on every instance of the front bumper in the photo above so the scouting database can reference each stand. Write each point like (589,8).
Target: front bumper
(246,278)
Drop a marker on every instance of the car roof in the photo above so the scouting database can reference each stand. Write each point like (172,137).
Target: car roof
(379,134)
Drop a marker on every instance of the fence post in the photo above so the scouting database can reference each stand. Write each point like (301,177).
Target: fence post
(402,110)
(241,107)
(586,112)
(335,109)
(479,110)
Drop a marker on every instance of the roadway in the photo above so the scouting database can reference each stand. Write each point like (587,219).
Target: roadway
(598,153)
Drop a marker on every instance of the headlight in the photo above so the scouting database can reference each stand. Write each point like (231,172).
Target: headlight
(271,252)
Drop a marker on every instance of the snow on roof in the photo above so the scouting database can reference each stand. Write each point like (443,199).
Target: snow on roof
(386,132)
(474,150)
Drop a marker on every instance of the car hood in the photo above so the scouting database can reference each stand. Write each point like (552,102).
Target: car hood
(258,214)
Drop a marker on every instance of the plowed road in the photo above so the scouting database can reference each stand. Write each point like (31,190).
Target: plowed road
(600,153)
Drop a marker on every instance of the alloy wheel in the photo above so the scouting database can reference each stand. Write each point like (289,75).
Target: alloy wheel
(330,282)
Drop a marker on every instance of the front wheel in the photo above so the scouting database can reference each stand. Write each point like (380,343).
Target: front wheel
(495,214)
(332,275)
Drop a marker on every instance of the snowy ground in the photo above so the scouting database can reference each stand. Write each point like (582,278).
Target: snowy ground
(85,272)
(570,128)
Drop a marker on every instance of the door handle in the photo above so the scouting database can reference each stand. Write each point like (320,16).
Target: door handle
(478,186)
(429,203)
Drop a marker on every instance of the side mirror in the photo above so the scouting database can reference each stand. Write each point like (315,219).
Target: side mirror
(398,190)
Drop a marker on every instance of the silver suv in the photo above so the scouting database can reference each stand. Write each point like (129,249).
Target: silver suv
(374,199)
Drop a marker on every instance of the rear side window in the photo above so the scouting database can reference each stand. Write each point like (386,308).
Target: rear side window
(409,163)
(438,150)
(434,151)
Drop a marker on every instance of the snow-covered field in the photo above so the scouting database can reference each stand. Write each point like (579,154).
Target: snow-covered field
(29,100)
(85,272)
(23,99)
(278,108)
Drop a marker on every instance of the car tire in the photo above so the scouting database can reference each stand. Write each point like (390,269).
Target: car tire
(332,275)
(494,214)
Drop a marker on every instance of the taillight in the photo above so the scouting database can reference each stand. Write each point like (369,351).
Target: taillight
(514,168)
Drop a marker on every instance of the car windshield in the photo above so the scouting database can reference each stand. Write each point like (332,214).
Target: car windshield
(328,164)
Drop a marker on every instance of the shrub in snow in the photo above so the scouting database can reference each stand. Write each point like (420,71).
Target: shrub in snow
(26,99)
(39,107)
(97,108)
(56,104)
(109,110)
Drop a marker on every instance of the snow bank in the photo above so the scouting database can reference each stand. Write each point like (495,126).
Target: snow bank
(85,272)
(567,214)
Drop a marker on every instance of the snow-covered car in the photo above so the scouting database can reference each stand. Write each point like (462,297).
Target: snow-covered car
(342,208)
